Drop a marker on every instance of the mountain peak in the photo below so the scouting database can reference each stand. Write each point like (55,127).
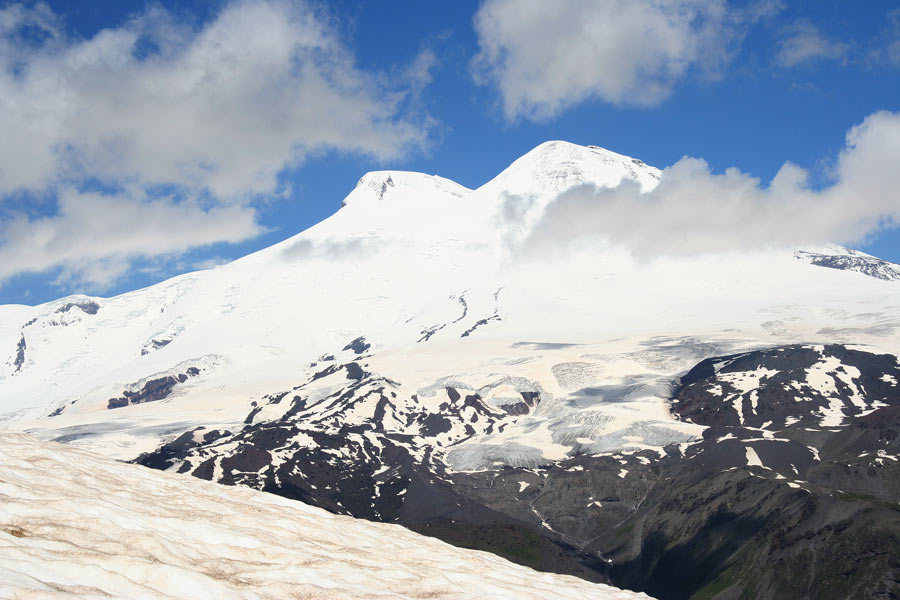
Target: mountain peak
(393,186)
(556,165)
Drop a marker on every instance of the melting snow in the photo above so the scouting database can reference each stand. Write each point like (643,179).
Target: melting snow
(753,458)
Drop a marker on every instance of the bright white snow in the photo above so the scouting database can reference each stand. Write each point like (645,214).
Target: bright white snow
(413,262)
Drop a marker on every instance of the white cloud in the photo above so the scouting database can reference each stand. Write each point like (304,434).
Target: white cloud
(215,112)
(805,43)
(545,59)
(226,107)
(893,52)
(93,237)
(695,211)
(419,72)
(209,263)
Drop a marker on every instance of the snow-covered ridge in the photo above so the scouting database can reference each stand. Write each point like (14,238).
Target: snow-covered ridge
(845,259)
(418,265)
(75,524)
(556,166)
(396,186)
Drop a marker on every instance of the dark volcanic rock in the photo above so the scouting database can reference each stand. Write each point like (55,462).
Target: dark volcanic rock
(529,402)
(734,533)
(761,509)
(769,504)
(19,361)
(152,390)
(358,346)
(781,389)
(87,306)
(154,345)
(478,324)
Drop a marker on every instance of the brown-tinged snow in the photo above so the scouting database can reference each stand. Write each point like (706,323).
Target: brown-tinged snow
(73,523)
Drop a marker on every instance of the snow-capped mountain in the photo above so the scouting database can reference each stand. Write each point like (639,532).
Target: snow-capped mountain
(414,359)
(852,260)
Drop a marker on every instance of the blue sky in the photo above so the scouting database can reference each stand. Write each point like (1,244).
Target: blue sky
(148,139)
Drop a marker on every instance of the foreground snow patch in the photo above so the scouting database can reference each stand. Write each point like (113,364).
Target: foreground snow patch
(75,523)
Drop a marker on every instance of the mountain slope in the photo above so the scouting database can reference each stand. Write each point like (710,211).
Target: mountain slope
(412,359)
(75,524)
(425,270)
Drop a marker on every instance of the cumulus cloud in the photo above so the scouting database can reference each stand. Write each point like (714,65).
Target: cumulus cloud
(694,211)
(805,43)
(218,112)
(225,108)
(544,60)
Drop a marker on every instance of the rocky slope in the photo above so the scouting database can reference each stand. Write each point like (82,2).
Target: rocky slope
(798,453)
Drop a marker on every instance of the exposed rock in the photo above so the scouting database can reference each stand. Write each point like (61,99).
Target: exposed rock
(768,504)
(815,385)
(478,324)
(19,361)
(853,261)
(152,390)
(357,346)
(87,306)
(154,345)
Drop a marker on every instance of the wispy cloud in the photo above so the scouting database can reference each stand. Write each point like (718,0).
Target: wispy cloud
(693,210)
(804,43)
(892,36)
(545,60)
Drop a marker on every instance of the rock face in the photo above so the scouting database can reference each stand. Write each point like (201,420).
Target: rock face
(813,386)
(89,307)
(20,354)
(792,491)
(152,390)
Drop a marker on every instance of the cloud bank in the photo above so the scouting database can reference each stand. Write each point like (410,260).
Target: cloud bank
(215,112)
(544,61)
(694,211)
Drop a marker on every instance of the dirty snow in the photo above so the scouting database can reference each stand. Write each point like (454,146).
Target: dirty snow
(73,524)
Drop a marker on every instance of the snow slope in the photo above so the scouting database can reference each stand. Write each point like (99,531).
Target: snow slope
(75,524)
(432,276)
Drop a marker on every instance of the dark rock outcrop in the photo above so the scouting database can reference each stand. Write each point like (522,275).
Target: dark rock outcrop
(153,390)
(769,504)
(853,261)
